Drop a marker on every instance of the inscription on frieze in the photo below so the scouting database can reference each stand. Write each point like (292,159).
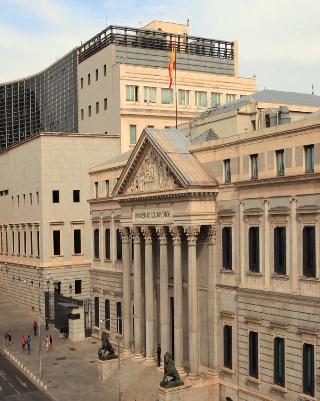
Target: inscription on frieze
(152,216)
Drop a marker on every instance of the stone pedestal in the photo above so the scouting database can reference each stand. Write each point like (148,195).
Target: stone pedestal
(76,325)
(106,368)
(201,390)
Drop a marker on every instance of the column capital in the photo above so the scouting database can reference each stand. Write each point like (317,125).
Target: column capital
(176,233)
(135,232)
(147,233)
(192,234)
(162,235)
(125,234)
(212,233)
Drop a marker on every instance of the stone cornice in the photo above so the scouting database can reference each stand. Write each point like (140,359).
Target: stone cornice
(291,179)
(190,195)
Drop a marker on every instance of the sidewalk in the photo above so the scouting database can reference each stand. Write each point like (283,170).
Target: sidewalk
(70,370)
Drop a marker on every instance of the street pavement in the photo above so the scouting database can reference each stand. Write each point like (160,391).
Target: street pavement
(70,370)
(14,386)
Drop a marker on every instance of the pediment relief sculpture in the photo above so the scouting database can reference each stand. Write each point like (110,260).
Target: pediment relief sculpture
(152,175)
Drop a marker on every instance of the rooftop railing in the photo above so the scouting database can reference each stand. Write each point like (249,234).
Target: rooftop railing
(146,39)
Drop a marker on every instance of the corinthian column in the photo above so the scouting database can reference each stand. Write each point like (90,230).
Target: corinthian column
(150,348)
(125,236)
(177,293)
(192,233)
(137,297)
(164,291)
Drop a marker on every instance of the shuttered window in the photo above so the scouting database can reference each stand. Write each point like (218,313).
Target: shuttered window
(279,361)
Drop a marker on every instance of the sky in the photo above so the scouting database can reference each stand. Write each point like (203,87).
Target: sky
(279,40)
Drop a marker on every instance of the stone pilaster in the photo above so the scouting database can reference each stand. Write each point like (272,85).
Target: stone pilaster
(212,304)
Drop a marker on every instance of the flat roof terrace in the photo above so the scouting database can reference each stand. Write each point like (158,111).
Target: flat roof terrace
(148,39)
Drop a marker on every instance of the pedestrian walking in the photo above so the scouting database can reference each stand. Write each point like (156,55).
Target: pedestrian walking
(35,327)
(50,343)
(47,323)
(47,343)
(23,343)
(6,336)
(29,344)
(159,355)
(9,337)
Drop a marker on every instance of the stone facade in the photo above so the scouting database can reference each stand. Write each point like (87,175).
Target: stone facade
(183,283)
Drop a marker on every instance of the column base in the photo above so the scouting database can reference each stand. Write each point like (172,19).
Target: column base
(194,376)
(150,361)
(138,356)
(181,372)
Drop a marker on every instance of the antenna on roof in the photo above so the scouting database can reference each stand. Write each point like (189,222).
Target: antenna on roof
(188,21)
(312,89)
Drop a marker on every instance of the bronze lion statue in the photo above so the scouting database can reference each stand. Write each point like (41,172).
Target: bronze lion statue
(106,351)
(171,377)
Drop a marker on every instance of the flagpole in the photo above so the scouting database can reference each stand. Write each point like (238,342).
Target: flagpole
(175,86)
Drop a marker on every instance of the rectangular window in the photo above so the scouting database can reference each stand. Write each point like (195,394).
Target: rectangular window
(96,312)
(76,195)
(89,111)
(38,243)
(107,314)
(215,99)
(119,318)
(166,96)
(280,162)
(105,70)
(81,83)
(309,251)
(254,264)
(38,199)
(184,97)
(133,134)
(254,166)
(201,99)
(31,244)
(56,242)
(55,196)
(77,241)
(279,362)
(105,103)
(24,242)
(309,158)
(96,243)
(131,93)
(107,243)
(230,97)
(77,286)
(227,346)
(280,250)
(97,107)
(97,74)
(227,170)
(150,94)
(30,195)
(96,189)
(308,370)
(227,247)
(253,354)
(119,244)
(89,79)
(107,187)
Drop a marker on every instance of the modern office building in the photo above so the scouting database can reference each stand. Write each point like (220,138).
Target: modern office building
(117,83)
(45,227)
(211,249)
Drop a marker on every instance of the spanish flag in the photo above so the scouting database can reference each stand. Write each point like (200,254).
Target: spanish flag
(172,63)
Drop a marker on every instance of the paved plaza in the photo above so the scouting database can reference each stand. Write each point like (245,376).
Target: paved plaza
(70,370)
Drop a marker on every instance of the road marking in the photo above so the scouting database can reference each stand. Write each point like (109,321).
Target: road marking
(22,383)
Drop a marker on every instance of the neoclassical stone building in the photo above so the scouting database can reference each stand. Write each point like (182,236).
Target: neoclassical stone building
(211,249)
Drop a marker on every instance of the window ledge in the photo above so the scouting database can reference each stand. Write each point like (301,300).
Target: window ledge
(280,276)
(254,274)
(227,371)
(77,254)
(227,271)
(304,278)
(57,256)
(279,389)
(253,380)
(305,397)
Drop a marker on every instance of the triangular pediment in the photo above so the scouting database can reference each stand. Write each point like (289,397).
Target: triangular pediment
(147,172)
